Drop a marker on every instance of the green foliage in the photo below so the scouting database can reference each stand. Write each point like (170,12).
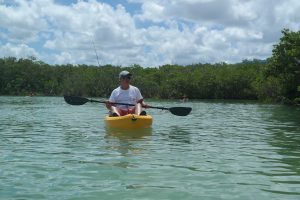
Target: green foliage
(26,76)
(284,65)
(278,78)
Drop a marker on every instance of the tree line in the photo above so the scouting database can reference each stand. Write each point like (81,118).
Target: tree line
(275,79)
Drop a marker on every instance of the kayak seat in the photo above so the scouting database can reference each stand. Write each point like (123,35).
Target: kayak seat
(111,114)
(143,113)
(115,114)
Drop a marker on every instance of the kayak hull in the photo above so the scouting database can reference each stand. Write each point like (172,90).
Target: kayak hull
(130,121)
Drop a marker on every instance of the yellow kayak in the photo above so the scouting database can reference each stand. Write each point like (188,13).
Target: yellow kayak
(130,121)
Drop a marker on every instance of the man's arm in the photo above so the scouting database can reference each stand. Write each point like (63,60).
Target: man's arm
(141,101)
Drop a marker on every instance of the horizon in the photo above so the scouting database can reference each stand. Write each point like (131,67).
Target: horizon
(245,61)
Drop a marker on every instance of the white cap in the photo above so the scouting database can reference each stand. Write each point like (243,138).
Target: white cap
(124,74)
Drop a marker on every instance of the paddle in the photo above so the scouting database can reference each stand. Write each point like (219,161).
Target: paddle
(179,111)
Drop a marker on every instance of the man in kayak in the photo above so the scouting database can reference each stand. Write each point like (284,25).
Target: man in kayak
(126,93)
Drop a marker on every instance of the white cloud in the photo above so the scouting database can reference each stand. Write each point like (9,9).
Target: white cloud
(64,57)
(239,33)
(161,32)
(288,14)
(152,11)
(18,51)
(22,21)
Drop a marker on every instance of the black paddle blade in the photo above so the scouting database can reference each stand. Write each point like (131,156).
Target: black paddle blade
(75,100)
(180,111)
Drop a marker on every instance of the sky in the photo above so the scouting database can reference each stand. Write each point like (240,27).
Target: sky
(149,33)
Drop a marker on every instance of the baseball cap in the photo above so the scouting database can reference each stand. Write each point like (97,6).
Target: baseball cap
(124,74)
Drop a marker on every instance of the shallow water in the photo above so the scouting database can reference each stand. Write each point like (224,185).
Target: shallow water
(222,150)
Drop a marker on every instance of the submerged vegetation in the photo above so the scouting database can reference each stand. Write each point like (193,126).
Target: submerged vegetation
(276,79)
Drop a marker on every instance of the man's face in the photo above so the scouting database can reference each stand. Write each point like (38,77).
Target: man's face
(125,79)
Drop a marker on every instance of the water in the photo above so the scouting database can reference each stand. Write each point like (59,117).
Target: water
(222,150)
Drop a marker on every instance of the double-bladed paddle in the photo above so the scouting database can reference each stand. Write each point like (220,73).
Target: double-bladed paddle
(179,111)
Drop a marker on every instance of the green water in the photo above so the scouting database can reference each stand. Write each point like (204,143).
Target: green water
(222,150)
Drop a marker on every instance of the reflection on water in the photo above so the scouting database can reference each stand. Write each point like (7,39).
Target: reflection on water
(124,134)
(179,134)
(126,142)
(286,136)
(284,126)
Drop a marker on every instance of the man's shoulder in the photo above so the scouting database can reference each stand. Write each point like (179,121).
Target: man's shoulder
(116,89)
(133,87)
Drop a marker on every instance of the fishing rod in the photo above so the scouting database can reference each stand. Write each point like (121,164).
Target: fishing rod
(96,53)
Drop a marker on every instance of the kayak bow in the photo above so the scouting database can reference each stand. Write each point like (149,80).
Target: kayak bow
(130,121)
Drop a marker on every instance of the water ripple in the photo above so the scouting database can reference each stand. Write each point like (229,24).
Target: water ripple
(222,150)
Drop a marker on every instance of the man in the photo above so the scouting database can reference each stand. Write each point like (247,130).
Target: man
(126,93)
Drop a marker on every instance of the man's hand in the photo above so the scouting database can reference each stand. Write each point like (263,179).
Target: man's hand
(108,104)
(145,105)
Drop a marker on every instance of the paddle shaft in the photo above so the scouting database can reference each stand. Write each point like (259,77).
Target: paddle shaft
(125,104)
(179,111)
(128,104)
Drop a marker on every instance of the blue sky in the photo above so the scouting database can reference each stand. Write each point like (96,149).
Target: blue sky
(145,32)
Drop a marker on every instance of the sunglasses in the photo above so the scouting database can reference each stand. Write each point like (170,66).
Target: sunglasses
(126,77)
